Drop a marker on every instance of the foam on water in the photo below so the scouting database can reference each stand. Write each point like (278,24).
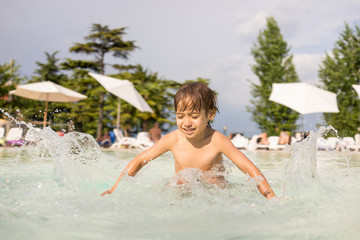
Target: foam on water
(50,189)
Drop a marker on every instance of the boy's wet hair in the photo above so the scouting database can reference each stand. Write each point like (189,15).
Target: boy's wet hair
(195,96)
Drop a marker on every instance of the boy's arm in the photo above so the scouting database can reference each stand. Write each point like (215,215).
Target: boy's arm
(245,165)
(162,146)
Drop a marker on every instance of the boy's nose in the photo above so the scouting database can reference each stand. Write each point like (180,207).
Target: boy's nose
(187,122)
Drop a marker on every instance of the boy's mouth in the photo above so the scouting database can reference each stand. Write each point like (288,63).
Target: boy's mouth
(188,130)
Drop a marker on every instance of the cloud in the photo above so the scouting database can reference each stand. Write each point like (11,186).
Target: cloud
(182,40)
(307,66)
(249,25)
(229,77)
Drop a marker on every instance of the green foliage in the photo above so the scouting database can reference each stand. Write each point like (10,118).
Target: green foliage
(158,93)
(273,65)
(103,40)
(73,74)
(49,71)
(98,43)
(10,77)
(339,71)
(33,110)
(85,113)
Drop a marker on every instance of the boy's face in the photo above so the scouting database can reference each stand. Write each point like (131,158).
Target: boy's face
(192,123)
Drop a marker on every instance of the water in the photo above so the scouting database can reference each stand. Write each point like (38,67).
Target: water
(50,190)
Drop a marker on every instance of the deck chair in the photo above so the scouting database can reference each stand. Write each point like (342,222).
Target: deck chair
(2,136)
(263,146)
(14,137)
(330,143)
(252,143)
(344,142)
(121,140)
(356,145)
(321,143)
(240,142)
(142,141)
(274,143)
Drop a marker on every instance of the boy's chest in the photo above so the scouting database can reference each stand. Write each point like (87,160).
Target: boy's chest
(203,158)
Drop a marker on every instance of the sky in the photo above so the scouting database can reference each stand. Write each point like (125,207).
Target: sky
(183,40)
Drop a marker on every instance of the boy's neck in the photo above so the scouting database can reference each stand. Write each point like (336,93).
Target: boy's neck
(202,139)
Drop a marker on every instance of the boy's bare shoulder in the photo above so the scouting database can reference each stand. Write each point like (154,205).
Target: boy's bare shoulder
(217,136)
(171,137)
(219,139)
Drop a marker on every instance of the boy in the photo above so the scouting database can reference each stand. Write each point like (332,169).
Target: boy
(195,144)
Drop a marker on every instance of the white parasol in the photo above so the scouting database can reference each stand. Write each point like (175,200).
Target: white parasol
(304,98)
(125,90)
(47,91)
(357,88)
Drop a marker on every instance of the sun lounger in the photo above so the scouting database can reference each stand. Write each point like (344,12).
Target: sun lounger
(329,144)
(262,146)
(2,136)
(356,145)
(274,143)
(142,141)
(294,140)
(252,143)
(14,137)
(346,141)
(240,142)
(321,143)
(121,140)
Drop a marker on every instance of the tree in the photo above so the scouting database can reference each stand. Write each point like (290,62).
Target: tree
(158,93)
(82,114)
(98,43)
(49,71)
(273,65)
(10,77)
(339,71)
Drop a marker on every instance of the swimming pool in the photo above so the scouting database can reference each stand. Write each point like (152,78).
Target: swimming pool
(51,191)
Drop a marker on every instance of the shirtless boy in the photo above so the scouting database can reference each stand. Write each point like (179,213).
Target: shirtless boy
(155,133)
(195,144)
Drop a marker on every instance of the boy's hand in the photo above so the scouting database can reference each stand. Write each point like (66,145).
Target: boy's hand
(107,192)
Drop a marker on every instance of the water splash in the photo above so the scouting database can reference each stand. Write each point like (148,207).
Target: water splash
(76,155)
(300,170)
(77,159)
(14,120)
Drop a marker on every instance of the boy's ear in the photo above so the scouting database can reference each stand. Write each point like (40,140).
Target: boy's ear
(212,115)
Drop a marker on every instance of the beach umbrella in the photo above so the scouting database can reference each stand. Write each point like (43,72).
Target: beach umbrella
(304,98)
(125,90)
(47,91)
(357,88)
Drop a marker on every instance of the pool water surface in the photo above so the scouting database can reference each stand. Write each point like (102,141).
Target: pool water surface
(51,190)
